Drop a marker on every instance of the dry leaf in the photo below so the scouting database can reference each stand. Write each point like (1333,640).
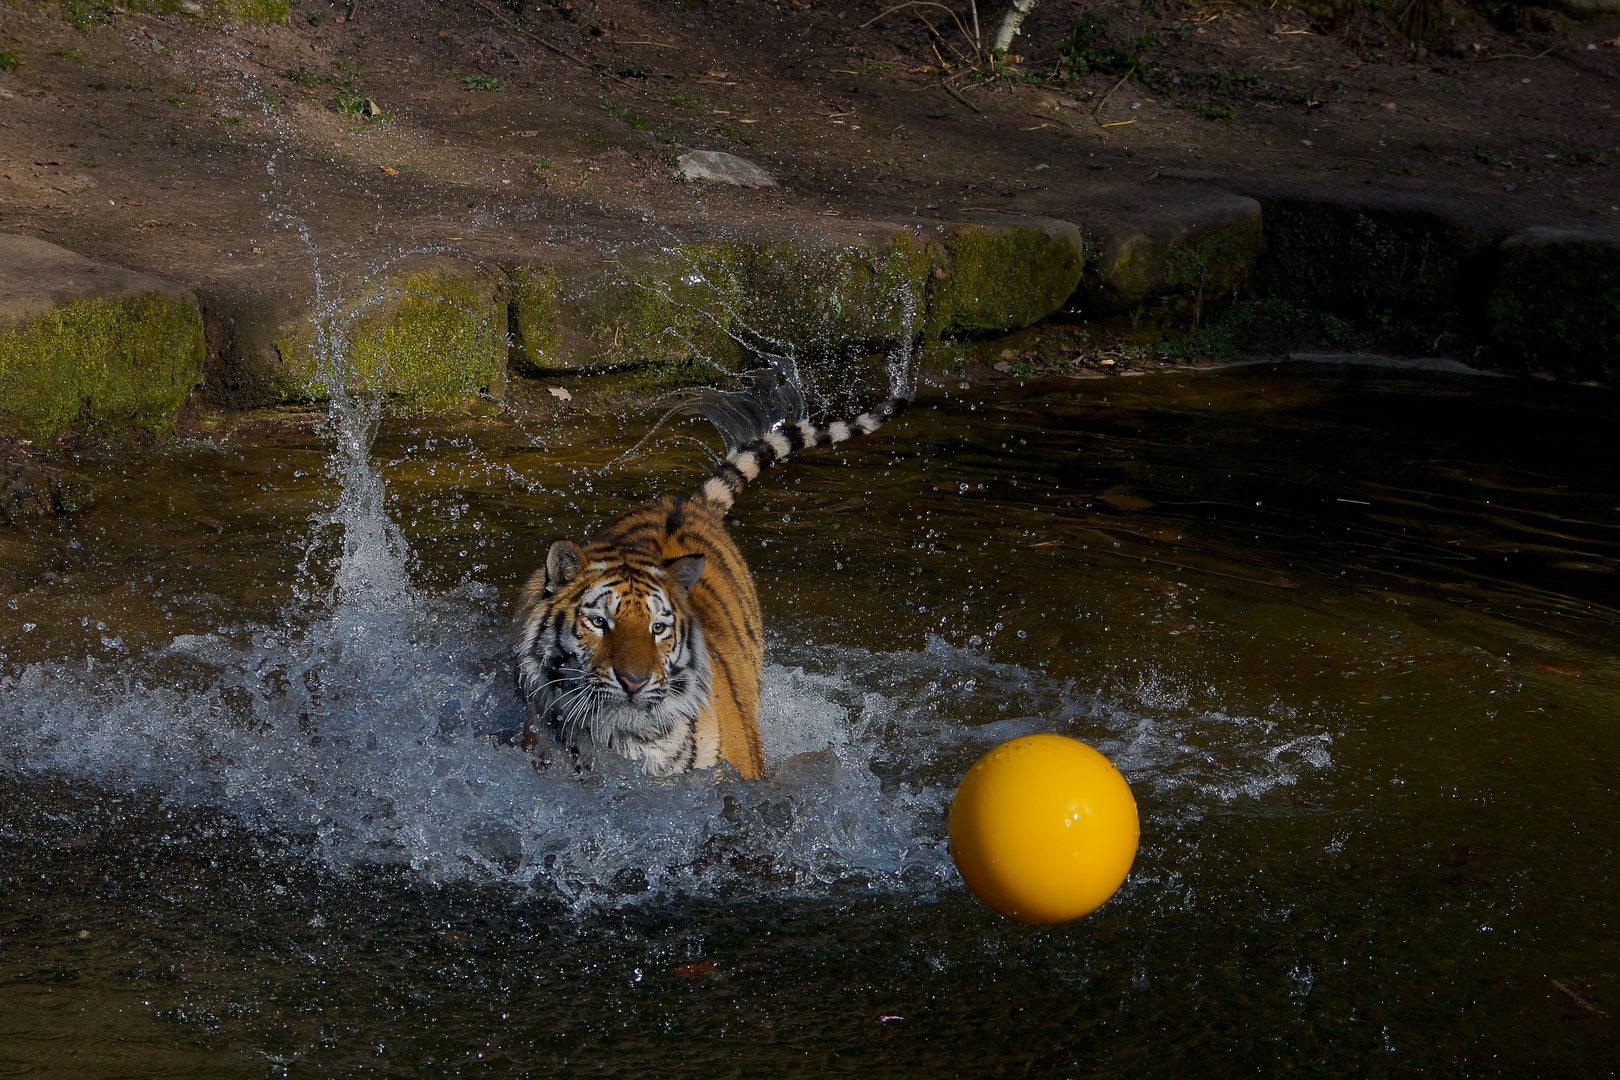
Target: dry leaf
(559,393)
(390,172)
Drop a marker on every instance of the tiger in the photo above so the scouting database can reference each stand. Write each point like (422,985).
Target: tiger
(646,639)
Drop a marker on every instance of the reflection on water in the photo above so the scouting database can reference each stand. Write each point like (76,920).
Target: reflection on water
(1350,635)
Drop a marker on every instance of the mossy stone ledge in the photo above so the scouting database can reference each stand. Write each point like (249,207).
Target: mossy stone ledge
(996,276)
(428,335)
(250,12)
(1417,258)
(694,310)
(1169,264)
(1555,305)
(89,347)
(830,296)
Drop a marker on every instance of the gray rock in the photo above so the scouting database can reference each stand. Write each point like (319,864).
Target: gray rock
(721,168)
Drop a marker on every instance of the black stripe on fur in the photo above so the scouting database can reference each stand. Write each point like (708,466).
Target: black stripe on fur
(763,455)
(731,476)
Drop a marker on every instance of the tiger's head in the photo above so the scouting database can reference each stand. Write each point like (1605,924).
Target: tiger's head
(611,650)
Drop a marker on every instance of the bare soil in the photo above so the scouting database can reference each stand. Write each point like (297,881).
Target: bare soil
(205,153)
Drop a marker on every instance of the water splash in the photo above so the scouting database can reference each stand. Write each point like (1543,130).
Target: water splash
(381,747)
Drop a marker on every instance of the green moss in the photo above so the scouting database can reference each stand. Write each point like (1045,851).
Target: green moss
(102,364)
(256,12)
(679,309)
(1215,260)
(1171,281)
(432,339)
(1001,278)
(532,310)
(719,305)
(263,12)
(1349,257)
(656,378)
(1555,307)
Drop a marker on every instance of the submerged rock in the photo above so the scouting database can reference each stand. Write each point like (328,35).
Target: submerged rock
(85,345)
(722,168)
(29,490)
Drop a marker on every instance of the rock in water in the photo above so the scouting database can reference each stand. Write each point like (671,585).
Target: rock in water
(722,168)
(28,491)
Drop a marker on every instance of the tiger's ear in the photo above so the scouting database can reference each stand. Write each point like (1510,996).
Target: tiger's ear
(686,569)
(562,563)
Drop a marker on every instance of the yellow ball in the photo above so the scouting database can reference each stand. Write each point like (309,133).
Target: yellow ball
(1043,829)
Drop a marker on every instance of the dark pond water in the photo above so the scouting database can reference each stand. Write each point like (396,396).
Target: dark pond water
(1351,634)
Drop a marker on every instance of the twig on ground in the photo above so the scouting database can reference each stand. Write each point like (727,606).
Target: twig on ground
(1516,56)
(940,38)
(945,86)
(1095,109)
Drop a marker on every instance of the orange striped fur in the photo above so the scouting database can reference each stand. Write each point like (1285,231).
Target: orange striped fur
(647,639)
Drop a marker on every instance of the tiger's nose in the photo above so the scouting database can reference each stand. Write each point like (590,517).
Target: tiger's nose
(630,683)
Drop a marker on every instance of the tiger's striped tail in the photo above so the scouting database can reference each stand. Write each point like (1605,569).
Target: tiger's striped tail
(752,458)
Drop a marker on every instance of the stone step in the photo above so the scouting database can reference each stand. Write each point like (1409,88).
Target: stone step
(1554,305)
(89,346)
(434,334)
(84,345)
